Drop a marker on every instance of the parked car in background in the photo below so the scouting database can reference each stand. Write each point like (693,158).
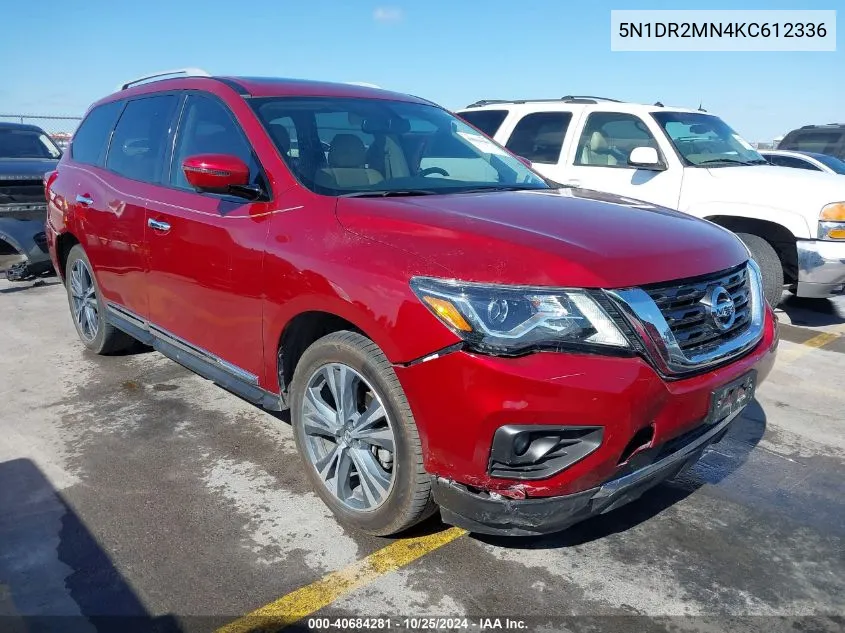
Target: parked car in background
(26,154)
(822,139)
(446,328)
(811,161)
(793,222)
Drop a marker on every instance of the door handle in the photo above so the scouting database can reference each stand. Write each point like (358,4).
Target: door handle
(85,201)
(158,226)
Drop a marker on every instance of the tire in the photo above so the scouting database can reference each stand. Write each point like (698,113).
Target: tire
(101,338)
(767,259)
(408,499)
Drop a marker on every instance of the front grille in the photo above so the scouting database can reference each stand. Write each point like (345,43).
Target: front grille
(690,320)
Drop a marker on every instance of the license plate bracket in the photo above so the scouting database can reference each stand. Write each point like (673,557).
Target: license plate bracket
(732,397)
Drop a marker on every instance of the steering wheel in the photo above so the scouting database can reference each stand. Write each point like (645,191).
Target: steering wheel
(433,170)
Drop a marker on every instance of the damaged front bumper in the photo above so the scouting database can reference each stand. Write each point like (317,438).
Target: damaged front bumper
(27,237)
(491,513)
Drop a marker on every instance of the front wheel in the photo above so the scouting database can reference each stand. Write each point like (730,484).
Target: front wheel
(356,435)
(770,266)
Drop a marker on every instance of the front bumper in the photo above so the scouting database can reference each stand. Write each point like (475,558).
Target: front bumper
(485,513)
(821,268)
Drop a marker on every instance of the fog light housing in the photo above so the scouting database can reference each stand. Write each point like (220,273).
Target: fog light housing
(540,451)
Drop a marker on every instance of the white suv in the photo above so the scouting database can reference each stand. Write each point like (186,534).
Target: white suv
(792,221)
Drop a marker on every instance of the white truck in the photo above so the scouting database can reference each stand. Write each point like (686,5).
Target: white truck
(792,221)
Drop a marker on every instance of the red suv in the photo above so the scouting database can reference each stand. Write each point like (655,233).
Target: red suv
(447,329)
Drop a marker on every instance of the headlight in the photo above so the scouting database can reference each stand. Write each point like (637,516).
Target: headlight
(832,222)
(514,319)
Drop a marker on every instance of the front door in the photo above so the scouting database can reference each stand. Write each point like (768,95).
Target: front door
(206,250)
(599,160)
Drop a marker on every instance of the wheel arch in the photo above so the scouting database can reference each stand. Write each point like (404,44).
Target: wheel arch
(64,242)
(779,236)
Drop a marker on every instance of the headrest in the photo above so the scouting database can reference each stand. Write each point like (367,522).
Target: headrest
(281,136)
(347,151)
(598,142)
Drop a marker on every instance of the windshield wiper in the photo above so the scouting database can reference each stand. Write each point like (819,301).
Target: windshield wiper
(389,193)
(500,188)
(729,161)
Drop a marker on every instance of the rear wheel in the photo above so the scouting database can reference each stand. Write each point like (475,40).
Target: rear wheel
(770,266)
(356,434)
(87,307)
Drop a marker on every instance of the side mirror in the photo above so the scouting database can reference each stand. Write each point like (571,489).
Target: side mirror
(646,158)
(216,173)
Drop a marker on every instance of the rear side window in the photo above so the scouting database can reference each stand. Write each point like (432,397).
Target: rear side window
(820,141)
(488,121)
(140,139)
(539,136)
(207,127)
(91,139)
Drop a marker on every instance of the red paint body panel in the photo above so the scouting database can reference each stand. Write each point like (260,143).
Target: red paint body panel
(477,394)
(229,277)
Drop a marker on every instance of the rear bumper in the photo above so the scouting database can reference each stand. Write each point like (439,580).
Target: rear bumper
(486,513)
(821,268)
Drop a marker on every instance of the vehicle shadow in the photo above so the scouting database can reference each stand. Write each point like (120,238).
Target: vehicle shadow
(54,575)
(812,312)
(717,463)
(21,286)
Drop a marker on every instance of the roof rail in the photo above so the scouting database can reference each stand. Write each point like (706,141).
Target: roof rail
(590,97)
(188,72)
(567,98)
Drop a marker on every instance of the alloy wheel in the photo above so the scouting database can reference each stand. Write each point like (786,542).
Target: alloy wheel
(349,438)
(83,293)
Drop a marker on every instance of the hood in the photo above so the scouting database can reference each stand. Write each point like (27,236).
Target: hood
(25,168)
(565,237)
(796,190)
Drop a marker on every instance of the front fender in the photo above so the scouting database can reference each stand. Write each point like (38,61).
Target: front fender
(794,222)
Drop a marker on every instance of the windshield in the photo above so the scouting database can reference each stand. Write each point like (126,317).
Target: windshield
(705,140)
(831,161)
(338,146)
(24,143)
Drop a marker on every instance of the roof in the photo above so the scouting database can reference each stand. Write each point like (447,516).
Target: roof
(9,125)
(790,152)
(249,87)
(569,102)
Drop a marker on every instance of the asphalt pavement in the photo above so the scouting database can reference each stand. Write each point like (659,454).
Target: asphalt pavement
(135,495)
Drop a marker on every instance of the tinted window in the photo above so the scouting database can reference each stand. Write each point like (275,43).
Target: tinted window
(92,137)
(139,141)
(488,121)
(821,141)
(539,136)
(207,127)
(831,161)
(609,137)
(377,146)
(791,161)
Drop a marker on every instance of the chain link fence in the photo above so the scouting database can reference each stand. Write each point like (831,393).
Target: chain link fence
(59,128)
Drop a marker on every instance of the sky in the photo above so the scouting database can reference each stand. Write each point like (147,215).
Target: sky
(60,56)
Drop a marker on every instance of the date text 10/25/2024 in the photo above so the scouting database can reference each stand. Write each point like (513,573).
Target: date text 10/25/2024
(416,624)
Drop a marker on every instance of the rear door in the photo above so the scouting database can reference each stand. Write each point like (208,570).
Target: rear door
(206,250)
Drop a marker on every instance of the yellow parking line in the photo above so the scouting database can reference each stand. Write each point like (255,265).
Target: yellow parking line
(311,598)
(818,341)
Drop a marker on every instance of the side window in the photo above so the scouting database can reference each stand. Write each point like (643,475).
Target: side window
(488,121)
(139,141)
(207,127)
(791,161)
(609,137)
(539,136)
(92,137)
(821,141)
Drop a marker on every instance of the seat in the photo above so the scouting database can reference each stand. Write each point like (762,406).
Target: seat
(347,159)
(281,137)
(597,151)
